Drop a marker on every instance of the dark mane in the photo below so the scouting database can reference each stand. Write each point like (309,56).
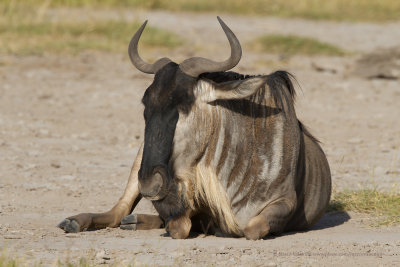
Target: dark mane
(220,77)
(277,82)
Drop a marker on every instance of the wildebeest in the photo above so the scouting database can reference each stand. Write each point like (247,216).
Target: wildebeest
(222,151)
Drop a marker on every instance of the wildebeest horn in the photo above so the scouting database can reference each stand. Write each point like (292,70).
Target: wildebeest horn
(197,65)
(137,61)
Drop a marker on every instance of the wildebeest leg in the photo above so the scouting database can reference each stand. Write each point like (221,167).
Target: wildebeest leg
(202,223)
(113,217)
(179,227)
(272,219)
(141,222)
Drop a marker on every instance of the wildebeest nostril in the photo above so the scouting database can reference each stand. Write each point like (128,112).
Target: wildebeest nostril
(152,186)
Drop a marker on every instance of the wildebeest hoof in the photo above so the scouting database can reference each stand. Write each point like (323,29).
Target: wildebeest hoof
(141,222)
(179,228)
(256,228)
(69,226)
(129,222)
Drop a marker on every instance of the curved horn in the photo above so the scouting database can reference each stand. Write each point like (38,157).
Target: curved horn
(137,61)
(197,65)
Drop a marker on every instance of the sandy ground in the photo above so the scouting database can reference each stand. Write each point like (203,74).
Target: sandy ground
(70,127)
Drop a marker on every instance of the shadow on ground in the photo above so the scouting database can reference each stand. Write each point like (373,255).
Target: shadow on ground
(331,219)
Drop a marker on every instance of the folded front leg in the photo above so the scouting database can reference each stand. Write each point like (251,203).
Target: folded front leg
(272,219)
(179,227)
(113,217)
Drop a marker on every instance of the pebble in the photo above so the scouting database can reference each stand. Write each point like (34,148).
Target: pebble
(72,235)
(270,264)
(44,132)
(81,136)
(76,148)
(355,141)
(55,165)
(30,166)
(102,254)
(375,243)
(221,250)
(63,178)
(34,153)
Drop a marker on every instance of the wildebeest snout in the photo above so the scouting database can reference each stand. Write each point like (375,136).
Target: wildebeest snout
(153,186)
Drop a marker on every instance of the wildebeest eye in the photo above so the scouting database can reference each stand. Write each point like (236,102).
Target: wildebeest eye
(144,98)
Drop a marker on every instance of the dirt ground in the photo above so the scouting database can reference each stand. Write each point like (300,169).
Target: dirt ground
(70,127)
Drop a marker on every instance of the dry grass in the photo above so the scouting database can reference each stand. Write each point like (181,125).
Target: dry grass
(12,261)
(385,207)
(7,262)
(290,45)
(355,10)
(37,38)
(23,31)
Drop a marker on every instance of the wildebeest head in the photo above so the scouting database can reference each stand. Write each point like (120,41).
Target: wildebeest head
(170,94)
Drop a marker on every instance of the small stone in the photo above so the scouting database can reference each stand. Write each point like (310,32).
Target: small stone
(174,254)
(221,248)
(30,166)
(83,136)
(34,153)
(44,132)
(102,255)
(63,178)
(72,235)
(270,264)
(375,243)
(55,165)
(324,67)
(355,141)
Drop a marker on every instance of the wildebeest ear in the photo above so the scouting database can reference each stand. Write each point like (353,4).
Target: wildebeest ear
(234,89)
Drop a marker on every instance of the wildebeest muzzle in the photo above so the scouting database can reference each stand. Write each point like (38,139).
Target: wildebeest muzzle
(155,185)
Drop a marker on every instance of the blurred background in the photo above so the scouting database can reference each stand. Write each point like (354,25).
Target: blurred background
(73,26)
